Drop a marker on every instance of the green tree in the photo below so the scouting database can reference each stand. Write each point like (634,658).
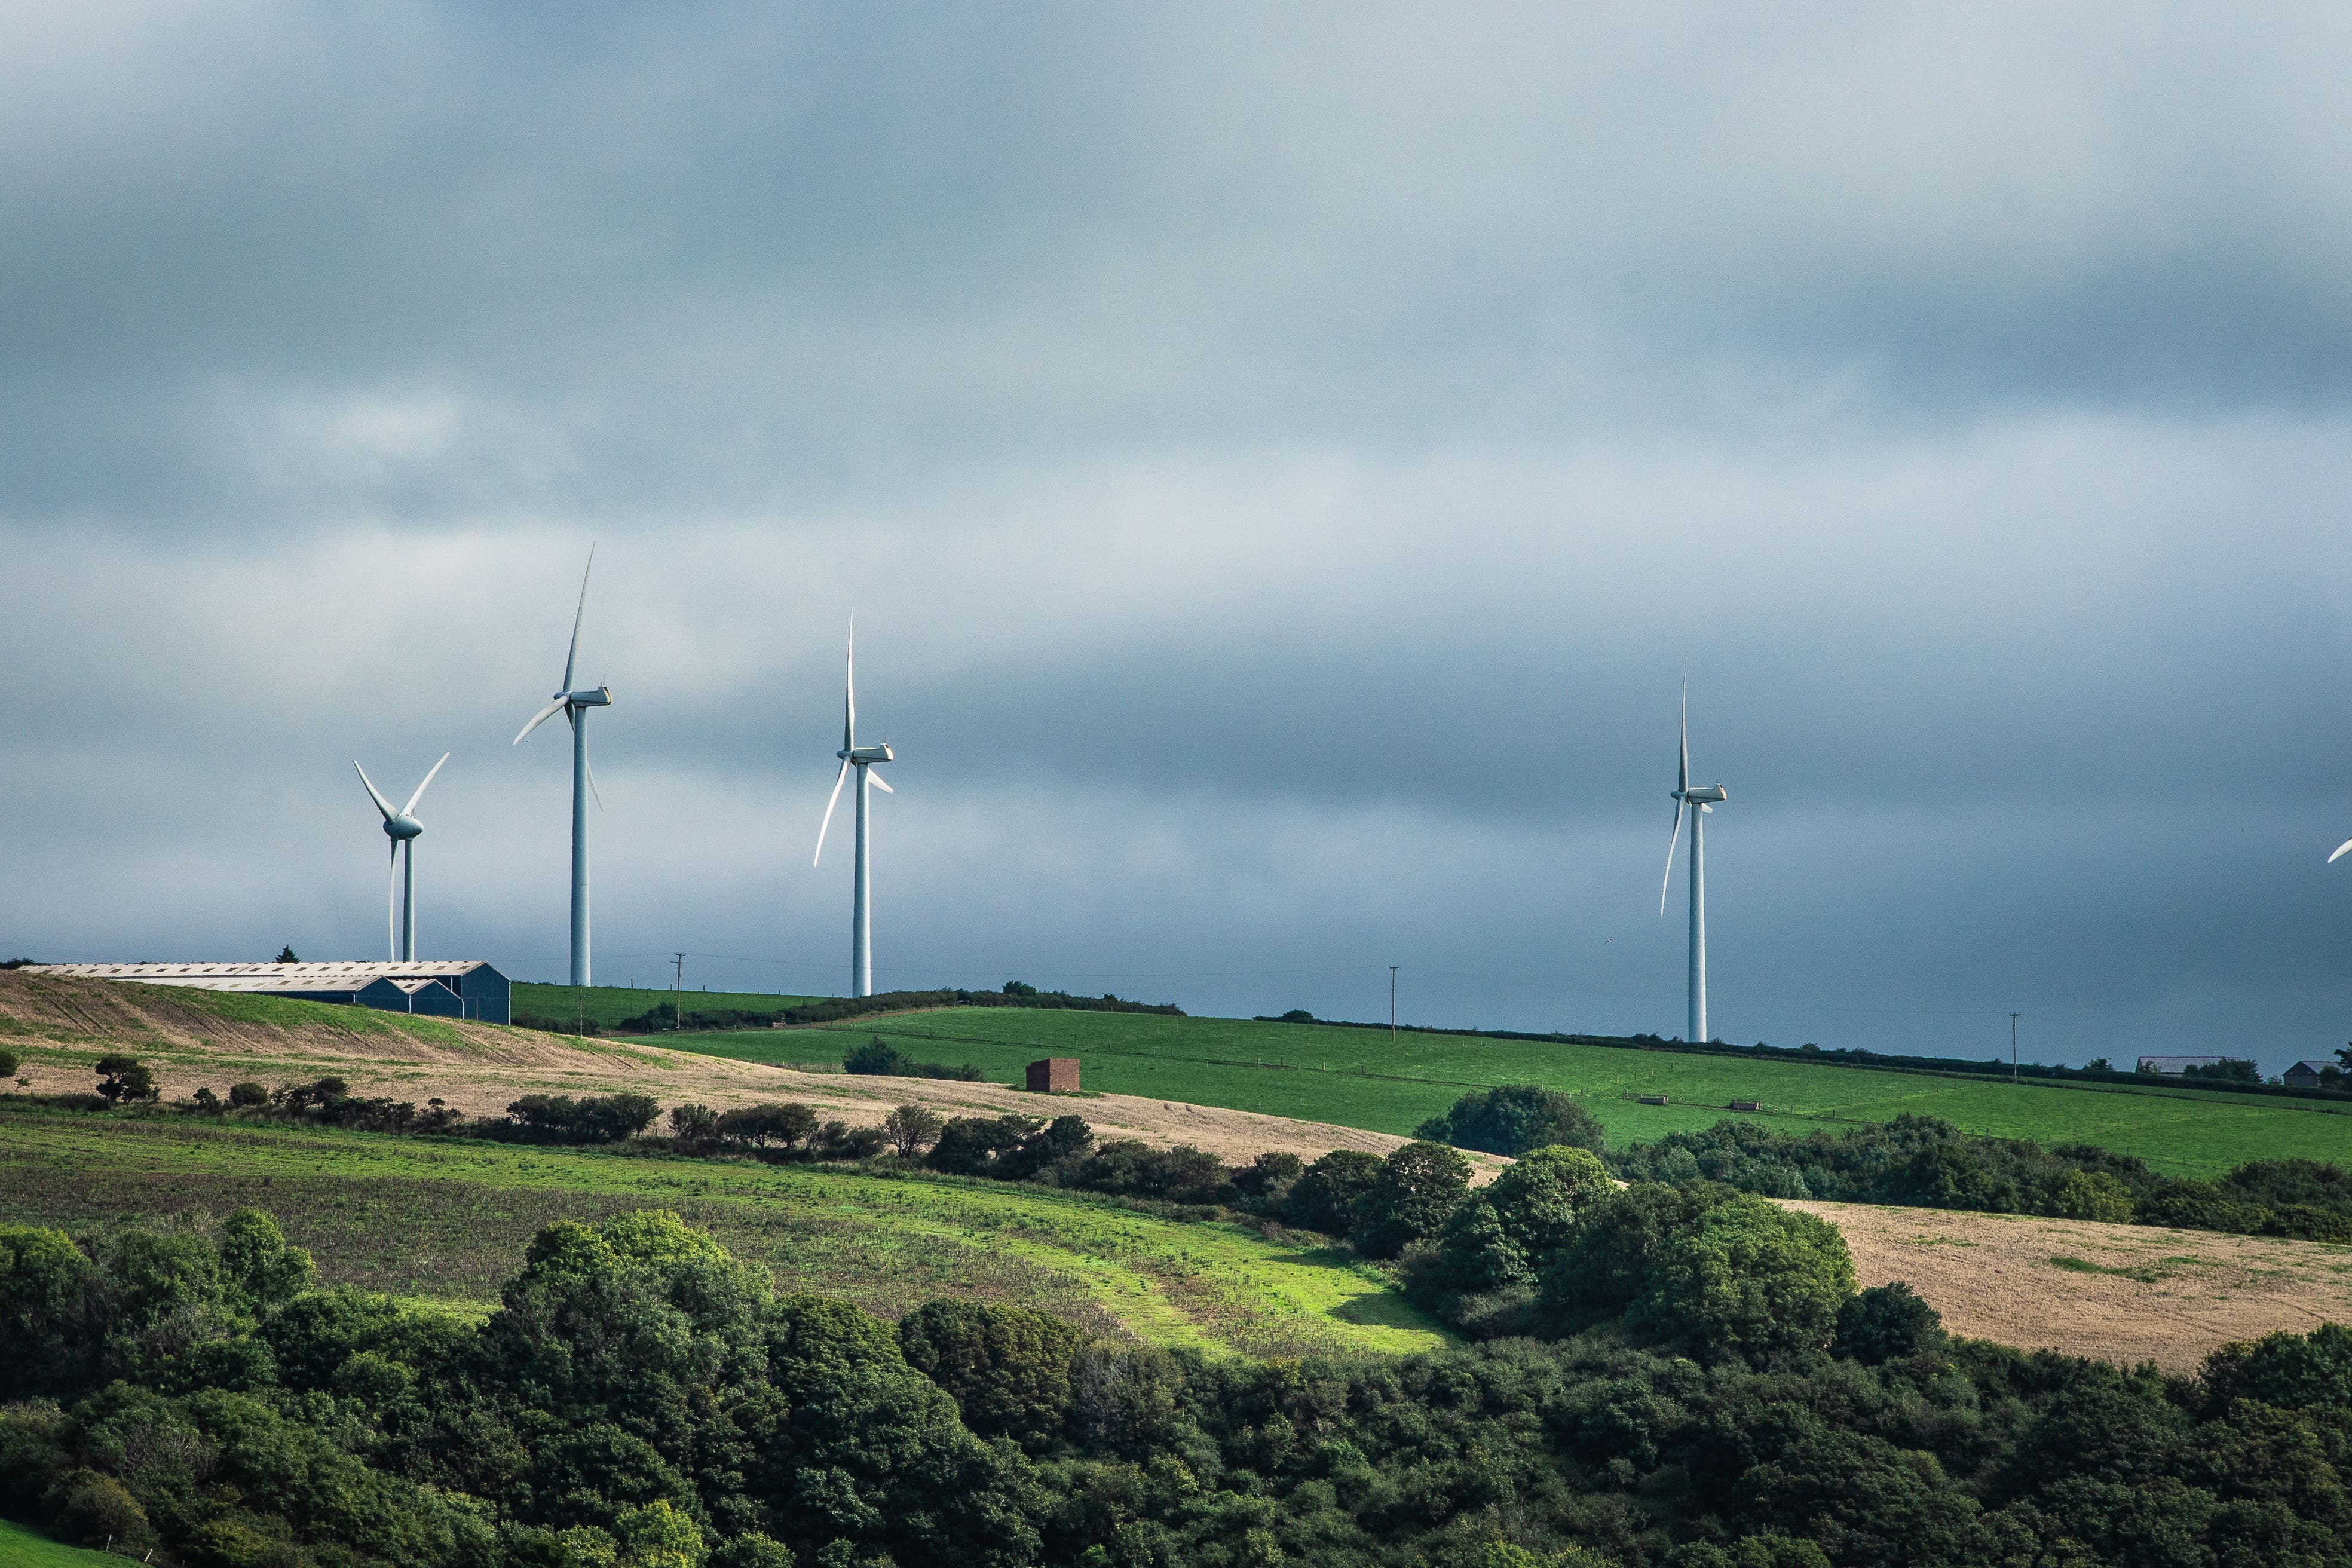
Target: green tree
(45,1281)
(911,1129)
(1008,1369)
(8,1063)
(121,1079)
(1514,1119)
(1749,1279)
(1417,1191)
(1325,1196)
(285,954)
(1888,1322)
(258,1269)
(658,1536)
(1509,1229)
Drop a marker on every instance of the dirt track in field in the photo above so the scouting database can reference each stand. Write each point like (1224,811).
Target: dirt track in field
(2175,1295)
(480,1068)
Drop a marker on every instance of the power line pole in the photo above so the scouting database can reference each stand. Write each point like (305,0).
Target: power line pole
(678,1007)
(2012,1047)
(1392,969)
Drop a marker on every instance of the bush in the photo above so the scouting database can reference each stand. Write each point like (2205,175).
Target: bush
(124,1079)
(693,1123)
(1748,1279)
(1505,1233)
(1887,1322)
(970,1145)
(247,1094)
(1325,1196)
(1515,1120)
(911,1129)
(589,1118)
(8,1062)
(1416,1191)
(1007,1369)
(879,1058)
(761,1125)
(1128,1168)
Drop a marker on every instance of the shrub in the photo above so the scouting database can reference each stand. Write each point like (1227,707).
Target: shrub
(1416,1191)
(1748,1279)
(1129,1168)
(121,1079)
(880,1058)
(1605,1268)
(1887,1322)
(1515,1120)
(2085,1195)
(8,1062)
(247,1094)
(911,1129)
(1505,1233)
(589,1118)
(970,1145)
(1008,1369)
(759,1125)
(693,1122)
(1325,1196)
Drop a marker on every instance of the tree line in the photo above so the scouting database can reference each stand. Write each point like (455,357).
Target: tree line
(641,1399)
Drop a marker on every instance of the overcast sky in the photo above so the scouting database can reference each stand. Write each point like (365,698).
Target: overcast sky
(1283,461)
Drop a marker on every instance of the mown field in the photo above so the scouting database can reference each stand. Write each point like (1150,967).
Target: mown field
(22,1548)
(606,1005)
(448,1219)
(1356,1079)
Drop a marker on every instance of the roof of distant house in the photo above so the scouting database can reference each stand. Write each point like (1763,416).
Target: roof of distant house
(344,975)
(2316,1068)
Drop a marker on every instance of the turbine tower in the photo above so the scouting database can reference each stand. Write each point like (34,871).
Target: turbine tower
(1702,800)
(573,706)
(402,827)
(864,759)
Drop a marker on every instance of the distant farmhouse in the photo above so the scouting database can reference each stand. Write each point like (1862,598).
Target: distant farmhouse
(446,989)
(2177,1064)
(2315,1075)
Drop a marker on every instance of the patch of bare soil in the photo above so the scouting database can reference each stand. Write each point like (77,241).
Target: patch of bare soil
(480,1068)
(2124,1293)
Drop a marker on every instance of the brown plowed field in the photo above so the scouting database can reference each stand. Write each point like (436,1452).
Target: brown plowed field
(2129,1293)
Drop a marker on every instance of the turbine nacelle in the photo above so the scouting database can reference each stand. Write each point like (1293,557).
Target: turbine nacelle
(600,697)
(866,756)
(1702,793)
(403,826)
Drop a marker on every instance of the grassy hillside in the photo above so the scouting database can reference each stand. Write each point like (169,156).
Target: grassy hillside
(22,1548)
(1355,1078)
(608,1005)
(450,1219)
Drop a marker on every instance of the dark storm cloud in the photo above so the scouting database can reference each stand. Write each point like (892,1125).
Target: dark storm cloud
(1283,463)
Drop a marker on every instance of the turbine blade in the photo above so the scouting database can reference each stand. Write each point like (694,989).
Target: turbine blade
(577,616)
(2339,850)
(849,692)
(420,788)
(885,788)
(1682,772)
(392,907)
(542,716)
(1665,881)
(381,804)
(592,783)
(831,800)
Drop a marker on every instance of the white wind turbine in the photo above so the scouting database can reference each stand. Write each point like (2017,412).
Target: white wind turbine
(402,827)
(864,759)
(573,706)
(1701,800)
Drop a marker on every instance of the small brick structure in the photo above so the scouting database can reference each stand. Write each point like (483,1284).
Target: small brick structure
(1055,1074)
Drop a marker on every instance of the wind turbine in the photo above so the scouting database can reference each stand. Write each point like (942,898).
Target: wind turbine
(402,827)
(862,758)
(573,706)
(1702,800)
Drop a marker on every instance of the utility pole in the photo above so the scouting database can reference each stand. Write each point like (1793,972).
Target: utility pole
(2012,1047)
(678,1007)
(1392,969)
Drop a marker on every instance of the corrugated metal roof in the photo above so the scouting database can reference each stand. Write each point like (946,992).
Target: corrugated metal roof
(345,975)
(340,970)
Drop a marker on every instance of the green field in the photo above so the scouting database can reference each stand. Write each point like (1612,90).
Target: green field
(606,1005)
(448,1219)
(22,1548)
(1357,1078)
